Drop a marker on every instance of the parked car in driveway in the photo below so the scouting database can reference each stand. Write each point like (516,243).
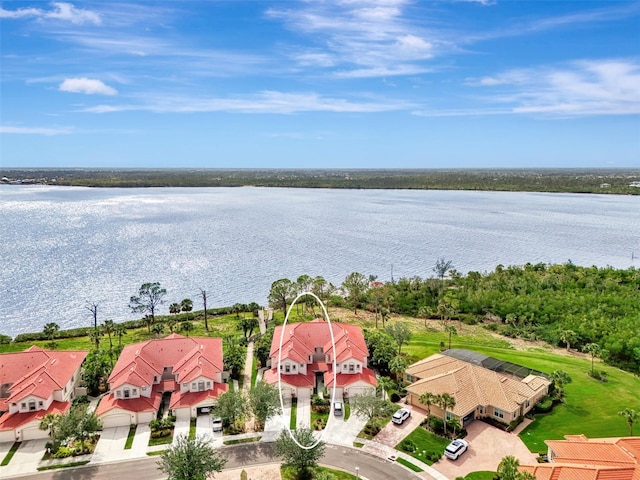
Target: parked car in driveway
(217,424)
(400,416)
(455,449)
(337,409)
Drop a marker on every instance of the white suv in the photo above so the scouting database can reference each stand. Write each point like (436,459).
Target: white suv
(400,416)
(455,449)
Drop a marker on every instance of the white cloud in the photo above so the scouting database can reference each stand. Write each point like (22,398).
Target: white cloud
(58,11)
(593,87)
(87,85)
(270,102)
(48,131)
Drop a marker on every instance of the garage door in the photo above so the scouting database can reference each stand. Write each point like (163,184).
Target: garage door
(33,433)
(117,420)
(304,392)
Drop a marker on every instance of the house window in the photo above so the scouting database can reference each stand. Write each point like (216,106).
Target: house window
(185,385)
(498,413)
(135,391)
(32,405)
(41,404)
(526,404)
(126,393)
(144,389)
(449,416)
(287,368)
(118,394)
(24,405)
(293,367)
(481,410)
(208,384)
(351,368)
(193,386)
(201,386)
(301,365)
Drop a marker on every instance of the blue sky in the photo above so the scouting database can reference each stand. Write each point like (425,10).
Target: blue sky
(314,84)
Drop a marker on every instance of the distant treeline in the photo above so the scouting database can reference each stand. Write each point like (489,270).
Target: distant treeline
(617,181)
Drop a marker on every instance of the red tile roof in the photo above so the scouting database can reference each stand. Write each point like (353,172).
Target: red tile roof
(141,404)
(294,380)
(344,379)
(37,371)
(580,458)
(9,422)
(301,339)
(180,400)
(190,357)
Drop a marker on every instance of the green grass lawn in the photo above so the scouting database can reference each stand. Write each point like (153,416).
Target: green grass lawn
(254,372)
(427,442)
(288,473)
(7,458)
(294,414)
(161,440)
(192,429)
(132,432)
(315,416)
(409,465)
(480,476)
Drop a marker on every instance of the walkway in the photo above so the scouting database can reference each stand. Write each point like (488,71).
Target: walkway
(246,384)
(25,460)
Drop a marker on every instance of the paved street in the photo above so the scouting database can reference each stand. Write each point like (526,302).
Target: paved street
(347,459)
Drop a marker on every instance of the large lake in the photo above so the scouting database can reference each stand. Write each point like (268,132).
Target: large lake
(63,246)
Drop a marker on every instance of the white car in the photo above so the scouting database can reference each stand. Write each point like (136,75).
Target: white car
(455,449)
(217,424)
(400,416)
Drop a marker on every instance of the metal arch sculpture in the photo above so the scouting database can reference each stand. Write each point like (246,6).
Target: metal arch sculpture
(335,378)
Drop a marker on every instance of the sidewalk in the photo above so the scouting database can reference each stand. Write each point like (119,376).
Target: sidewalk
(392,454)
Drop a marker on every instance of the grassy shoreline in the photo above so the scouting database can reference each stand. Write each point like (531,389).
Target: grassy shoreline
(605,181)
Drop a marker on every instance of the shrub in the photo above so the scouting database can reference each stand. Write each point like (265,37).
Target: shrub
(372,428)
(395,397)
(5,339)
(63,452)
(434,456)
(408,446)
(83,399)
(600,375)
(545,405)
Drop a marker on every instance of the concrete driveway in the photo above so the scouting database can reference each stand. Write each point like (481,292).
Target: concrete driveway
(25,460)
(487,446)
(341,432)
(111,444)
(393,434)
(303,413)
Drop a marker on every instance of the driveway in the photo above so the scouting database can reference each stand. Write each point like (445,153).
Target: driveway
(274,425)
(25,460)
(487,446)
(341,432)
(393,434)
(303,413)
(111,445)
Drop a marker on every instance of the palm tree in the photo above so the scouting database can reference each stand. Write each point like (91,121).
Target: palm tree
(158,328)
(594,349)
(451,330)
(186,305)
(428,399)
(446,402)
(384,314)
(175,308)
(108,329)
(426,313)
(508,468)
(172,322)
(95,336)
(560,378)
(50,330)
(384,385)
(49,422)
(119,330)
(631,415)
(186,327)
(398,365)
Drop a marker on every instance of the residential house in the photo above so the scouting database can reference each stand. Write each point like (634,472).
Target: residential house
(478,391)
(34,383)
(183,374)
(578,457)
(307,360)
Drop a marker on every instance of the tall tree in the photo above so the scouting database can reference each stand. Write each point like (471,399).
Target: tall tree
(385,384)
(400,333)
(560,378)
(186,305)
(281,293)
(594,350)
(93,309)
(95,371)
(50,423)
(441,267)
(96,335)
(50,330)
(301,460)
(248,325)
(446,402)
(234,357)
(631,415)
(428,399)
(451,330)
(119,330)
(355,286)
(264,401)
(190,459)
(203,294)
(175,308)
(231,407)
(397,366)
(508,468)
(108,328)
(150,296)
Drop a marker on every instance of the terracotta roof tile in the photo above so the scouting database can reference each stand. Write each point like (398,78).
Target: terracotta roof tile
(180,400)
(294,380)
(9,422)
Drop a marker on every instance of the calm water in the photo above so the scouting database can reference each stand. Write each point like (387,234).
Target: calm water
(63,246)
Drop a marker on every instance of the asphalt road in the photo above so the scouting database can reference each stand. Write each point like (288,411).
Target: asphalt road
(371,467)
